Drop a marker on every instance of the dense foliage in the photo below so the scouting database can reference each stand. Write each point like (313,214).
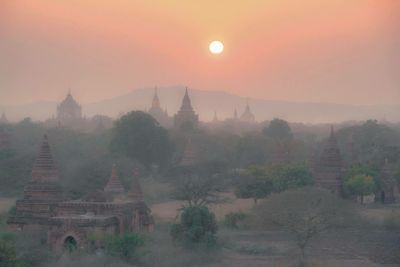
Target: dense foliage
(197,227)
(139,136)
(259,182)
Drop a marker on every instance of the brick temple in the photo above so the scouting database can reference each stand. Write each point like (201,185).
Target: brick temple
(111,211)
(328,171)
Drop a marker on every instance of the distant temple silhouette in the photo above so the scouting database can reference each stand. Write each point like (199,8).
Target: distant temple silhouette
(328,171)
(156,111)
(186,117)
(69,110)
(247,115)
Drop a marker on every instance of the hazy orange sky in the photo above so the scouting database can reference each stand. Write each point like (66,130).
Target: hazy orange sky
(342,51)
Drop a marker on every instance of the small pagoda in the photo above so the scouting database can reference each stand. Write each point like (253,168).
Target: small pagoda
(328,170)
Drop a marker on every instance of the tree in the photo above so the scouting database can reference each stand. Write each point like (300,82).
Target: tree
(200,184)
(8,255)
(279,130)
(361,179)
(139,136)
(304,213)
(361,185)
(255,184)
(259,182)
(290,176)
(197,226)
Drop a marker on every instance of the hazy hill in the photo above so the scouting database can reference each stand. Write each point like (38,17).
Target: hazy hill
(206,102)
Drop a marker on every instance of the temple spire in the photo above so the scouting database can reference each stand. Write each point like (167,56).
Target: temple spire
(44,169)
(114,184)
(156,101)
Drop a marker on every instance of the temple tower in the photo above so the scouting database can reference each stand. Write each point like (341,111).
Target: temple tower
(329,168)
(156,111)
(186,115)
(114,185)
(42,193)
(247,115)
(69,110)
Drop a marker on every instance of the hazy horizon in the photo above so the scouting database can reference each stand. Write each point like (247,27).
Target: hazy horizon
(343,52)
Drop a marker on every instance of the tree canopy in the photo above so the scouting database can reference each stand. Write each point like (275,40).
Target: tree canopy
(139,136)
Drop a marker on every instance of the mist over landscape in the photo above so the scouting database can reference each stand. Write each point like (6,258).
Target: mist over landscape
(199,133)
(206,102)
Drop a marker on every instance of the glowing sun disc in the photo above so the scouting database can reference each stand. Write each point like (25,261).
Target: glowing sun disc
(216,47)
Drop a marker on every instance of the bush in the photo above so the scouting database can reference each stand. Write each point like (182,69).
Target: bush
(198,227)
(232,219)
(124,246)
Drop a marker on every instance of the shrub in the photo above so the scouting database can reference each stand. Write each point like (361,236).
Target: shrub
(232,219)
(198,226)
(124,246)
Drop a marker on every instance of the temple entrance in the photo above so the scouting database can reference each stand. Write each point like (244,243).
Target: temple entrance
(70,244)
(383,197)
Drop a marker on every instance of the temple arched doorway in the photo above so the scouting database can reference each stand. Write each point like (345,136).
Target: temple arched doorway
(70,244)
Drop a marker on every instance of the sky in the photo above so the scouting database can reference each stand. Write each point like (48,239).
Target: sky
(336,51)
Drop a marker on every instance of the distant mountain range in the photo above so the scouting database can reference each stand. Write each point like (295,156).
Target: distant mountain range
(206,102)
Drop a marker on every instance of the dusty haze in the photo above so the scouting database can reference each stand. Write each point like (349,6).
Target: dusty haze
(337,51)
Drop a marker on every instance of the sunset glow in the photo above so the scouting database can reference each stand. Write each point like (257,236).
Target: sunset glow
(308,51)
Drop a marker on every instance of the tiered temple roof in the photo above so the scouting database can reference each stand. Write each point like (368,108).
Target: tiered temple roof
(329,168)
(114,185)
(44,184)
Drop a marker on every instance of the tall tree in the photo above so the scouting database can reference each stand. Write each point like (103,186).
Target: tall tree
(139,136)
(279,130)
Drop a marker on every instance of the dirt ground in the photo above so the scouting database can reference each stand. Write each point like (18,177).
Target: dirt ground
(345,248)
(6,204)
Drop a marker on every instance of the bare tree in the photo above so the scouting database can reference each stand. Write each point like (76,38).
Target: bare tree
(304,213)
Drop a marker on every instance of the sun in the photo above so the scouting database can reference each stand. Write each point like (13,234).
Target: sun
(216,47)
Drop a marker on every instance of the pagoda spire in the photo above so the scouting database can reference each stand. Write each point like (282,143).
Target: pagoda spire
(44,169)
(114,184)
(156,101)
(186,103)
